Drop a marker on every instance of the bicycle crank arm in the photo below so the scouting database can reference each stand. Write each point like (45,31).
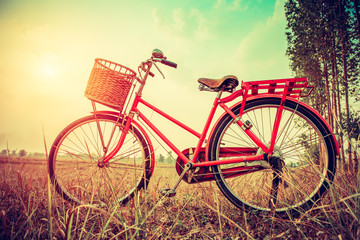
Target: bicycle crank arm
(171,192)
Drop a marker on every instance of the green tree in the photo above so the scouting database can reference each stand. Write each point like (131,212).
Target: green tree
(22,153)
(4,152)
(323,45)
(169,158)
(161,158)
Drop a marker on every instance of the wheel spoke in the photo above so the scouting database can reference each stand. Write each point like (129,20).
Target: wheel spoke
(300,144)
(76,161)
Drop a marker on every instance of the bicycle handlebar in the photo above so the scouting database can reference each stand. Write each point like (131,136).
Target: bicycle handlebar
(157,56)
(169,63)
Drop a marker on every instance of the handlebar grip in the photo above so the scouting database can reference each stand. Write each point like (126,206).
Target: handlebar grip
(169,63)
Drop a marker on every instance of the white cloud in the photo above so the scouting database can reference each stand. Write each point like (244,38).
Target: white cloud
(231,6)
(261,53)
(202,31)
(179,19)
(189,24)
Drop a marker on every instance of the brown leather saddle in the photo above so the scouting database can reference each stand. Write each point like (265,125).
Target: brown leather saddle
(227,83)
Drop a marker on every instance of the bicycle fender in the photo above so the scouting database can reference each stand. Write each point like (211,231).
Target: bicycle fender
(280,97)
(141,129)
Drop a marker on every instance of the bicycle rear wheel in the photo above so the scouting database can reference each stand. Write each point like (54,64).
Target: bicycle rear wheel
(76,168)
(304,143)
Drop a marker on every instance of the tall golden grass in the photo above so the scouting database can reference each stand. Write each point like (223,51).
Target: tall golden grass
(30,209)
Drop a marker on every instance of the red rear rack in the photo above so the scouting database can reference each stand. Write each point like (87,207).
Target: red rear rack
(296,87)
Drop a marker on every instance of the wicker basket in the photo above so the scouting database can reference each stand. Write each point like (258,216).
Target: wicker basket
(109,83)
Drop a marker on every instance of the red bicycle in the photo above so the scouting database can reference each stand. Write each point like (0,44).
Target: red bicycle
(268,152)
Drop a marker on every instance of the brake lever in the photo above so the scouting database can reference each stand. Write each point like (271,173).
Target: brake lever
(158,69)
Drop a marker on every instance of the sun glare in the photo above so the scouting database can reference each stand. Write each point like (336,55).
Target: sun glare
(47,66)
(48,71)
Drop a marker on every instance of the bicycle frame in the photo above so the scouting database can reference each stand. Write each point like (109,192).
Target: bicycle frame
(267,152)
(290,88)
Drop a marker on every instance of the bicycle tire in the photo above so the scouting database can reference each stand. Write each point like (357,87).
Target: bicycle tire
(305,144)
(75,171)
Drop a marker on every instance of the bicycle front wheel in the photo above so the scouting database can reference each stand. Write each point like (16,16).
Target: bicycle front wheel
(78,172)
(304,144)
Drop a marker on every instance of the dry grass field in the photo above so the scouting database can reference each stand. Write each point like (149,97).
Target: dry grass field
(31,209)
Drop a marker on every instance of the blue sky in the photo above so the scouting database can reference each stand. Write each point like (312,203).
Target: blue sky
(48,49)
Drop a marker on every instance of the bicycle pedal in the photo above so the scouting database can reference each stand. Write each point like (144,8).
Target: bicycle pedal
(167,192)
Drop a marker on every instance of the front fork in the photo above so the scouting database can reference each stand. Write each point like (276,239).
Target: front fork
(125,130)
(105,145)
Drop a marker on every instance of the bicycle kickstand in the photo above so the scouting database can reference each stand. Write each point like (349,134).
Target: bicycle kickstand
(170,192)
